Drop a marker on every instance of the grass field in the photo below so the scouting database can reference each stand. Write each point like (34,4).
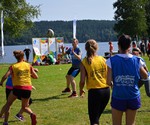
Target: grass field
(54,108)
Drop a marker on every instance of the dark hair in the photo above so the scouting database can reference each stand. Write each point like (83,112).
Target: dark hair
(124,42)
(91,48)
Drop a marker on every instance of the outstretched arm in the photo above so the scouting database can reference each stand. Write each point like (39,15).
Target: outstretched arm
(5,77)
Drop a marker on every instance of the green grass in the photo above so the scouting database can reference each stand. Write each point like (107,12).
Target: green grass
(54,108)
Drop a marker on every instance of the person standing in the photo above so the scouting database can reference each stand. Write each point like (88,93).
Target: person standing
(148,49)
(94,73)
(124,73)
(27,53)
(134,45)
(111,48)
(142,48)
(21,73)
(75,53)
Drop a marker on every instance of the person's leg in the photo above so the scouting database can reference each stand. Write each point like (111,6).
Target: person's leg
(92,107)
(116,116)
(25,108)
(97,101)
(67,89)
(68,81)
(130,117)
(74,73)
(73,83)
(27,57)
(11,99)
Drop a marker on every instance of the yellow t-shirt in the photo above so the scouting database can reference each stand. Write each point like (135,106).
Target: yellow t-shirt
(21,74)
(96,72)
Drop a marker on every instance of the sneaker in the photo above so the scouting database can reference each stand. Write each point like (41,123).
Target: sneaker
(5,123)
(73,95)
(19,117)
(33,119)
(66,90)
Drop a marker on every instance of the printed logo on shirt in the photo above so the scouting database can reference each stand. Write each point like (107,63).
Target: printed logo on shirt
(124,80)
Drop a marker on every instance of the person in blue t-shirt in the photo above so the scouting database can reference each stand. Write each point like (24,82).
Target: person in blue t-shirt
(124,73)
(75,53)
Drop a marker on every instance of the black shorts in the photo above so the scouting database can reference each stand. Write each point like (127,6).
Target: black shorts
(8,92)
(22,93)
(73,71)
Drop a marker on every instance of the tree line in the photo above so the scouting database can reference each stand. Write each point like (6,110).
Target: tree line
(132,17)
(101,31)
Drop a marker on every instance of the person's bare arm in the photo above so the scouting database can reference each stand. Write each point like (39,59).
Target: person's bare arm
(82,79)
(33,73)
(143,73)
(78,56)
(109,76)
(5,77)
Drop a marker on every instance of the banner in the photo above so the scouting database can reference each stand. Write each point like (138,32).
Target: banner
(44,46)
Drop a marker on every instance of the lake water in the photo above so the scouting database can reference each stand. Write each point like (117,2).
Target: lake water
(8,58)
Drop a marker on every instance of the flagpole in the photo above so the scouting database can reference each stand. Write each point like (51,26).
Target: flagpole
(74,28)
(2,34)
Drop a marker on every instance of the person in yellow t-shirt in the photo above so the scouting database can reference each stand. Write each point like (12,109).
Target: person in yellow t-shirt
(21,73)
(93,72)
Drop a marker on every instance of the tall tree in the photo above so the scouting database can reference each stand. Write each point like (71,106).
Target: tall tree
(17,16)
(131,17)
(148,16)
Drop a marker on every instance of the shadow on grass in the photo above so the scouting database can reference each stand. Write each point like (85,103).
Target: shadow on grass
(107,111)
(61,96)
(144,110)
(11,121)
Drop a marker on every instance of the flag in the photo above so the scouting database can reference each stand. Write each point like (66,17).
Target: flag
(74,28)
(2,34)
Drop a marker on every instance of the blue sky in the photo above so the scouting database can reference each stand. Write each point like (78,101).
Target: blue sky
(66,10)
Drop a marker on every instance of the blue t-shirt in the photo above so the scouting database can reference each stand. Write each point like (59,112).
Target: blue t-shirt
(75,61)
(125,74)
(9,83)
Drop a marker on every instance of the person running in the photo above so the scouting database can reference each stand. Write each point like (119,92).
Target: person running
(124,73)
(9,88)
(93,72)
(27,52)
(75,53)
(21,73)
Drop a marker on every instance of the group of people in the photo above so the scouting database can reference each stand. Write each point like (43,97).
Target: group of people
(120,72)
(19,86)
(143,48)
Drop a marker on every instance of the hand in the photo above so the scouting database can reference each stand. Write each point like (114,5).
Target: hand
(36,70)
(33,88)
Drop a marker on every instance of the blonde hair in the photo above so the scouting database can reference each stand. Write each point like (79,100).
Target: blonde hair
(19,55)
(91,47)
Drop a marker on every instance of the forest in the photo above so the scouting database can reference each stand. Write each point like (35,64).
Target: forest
(100,30)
